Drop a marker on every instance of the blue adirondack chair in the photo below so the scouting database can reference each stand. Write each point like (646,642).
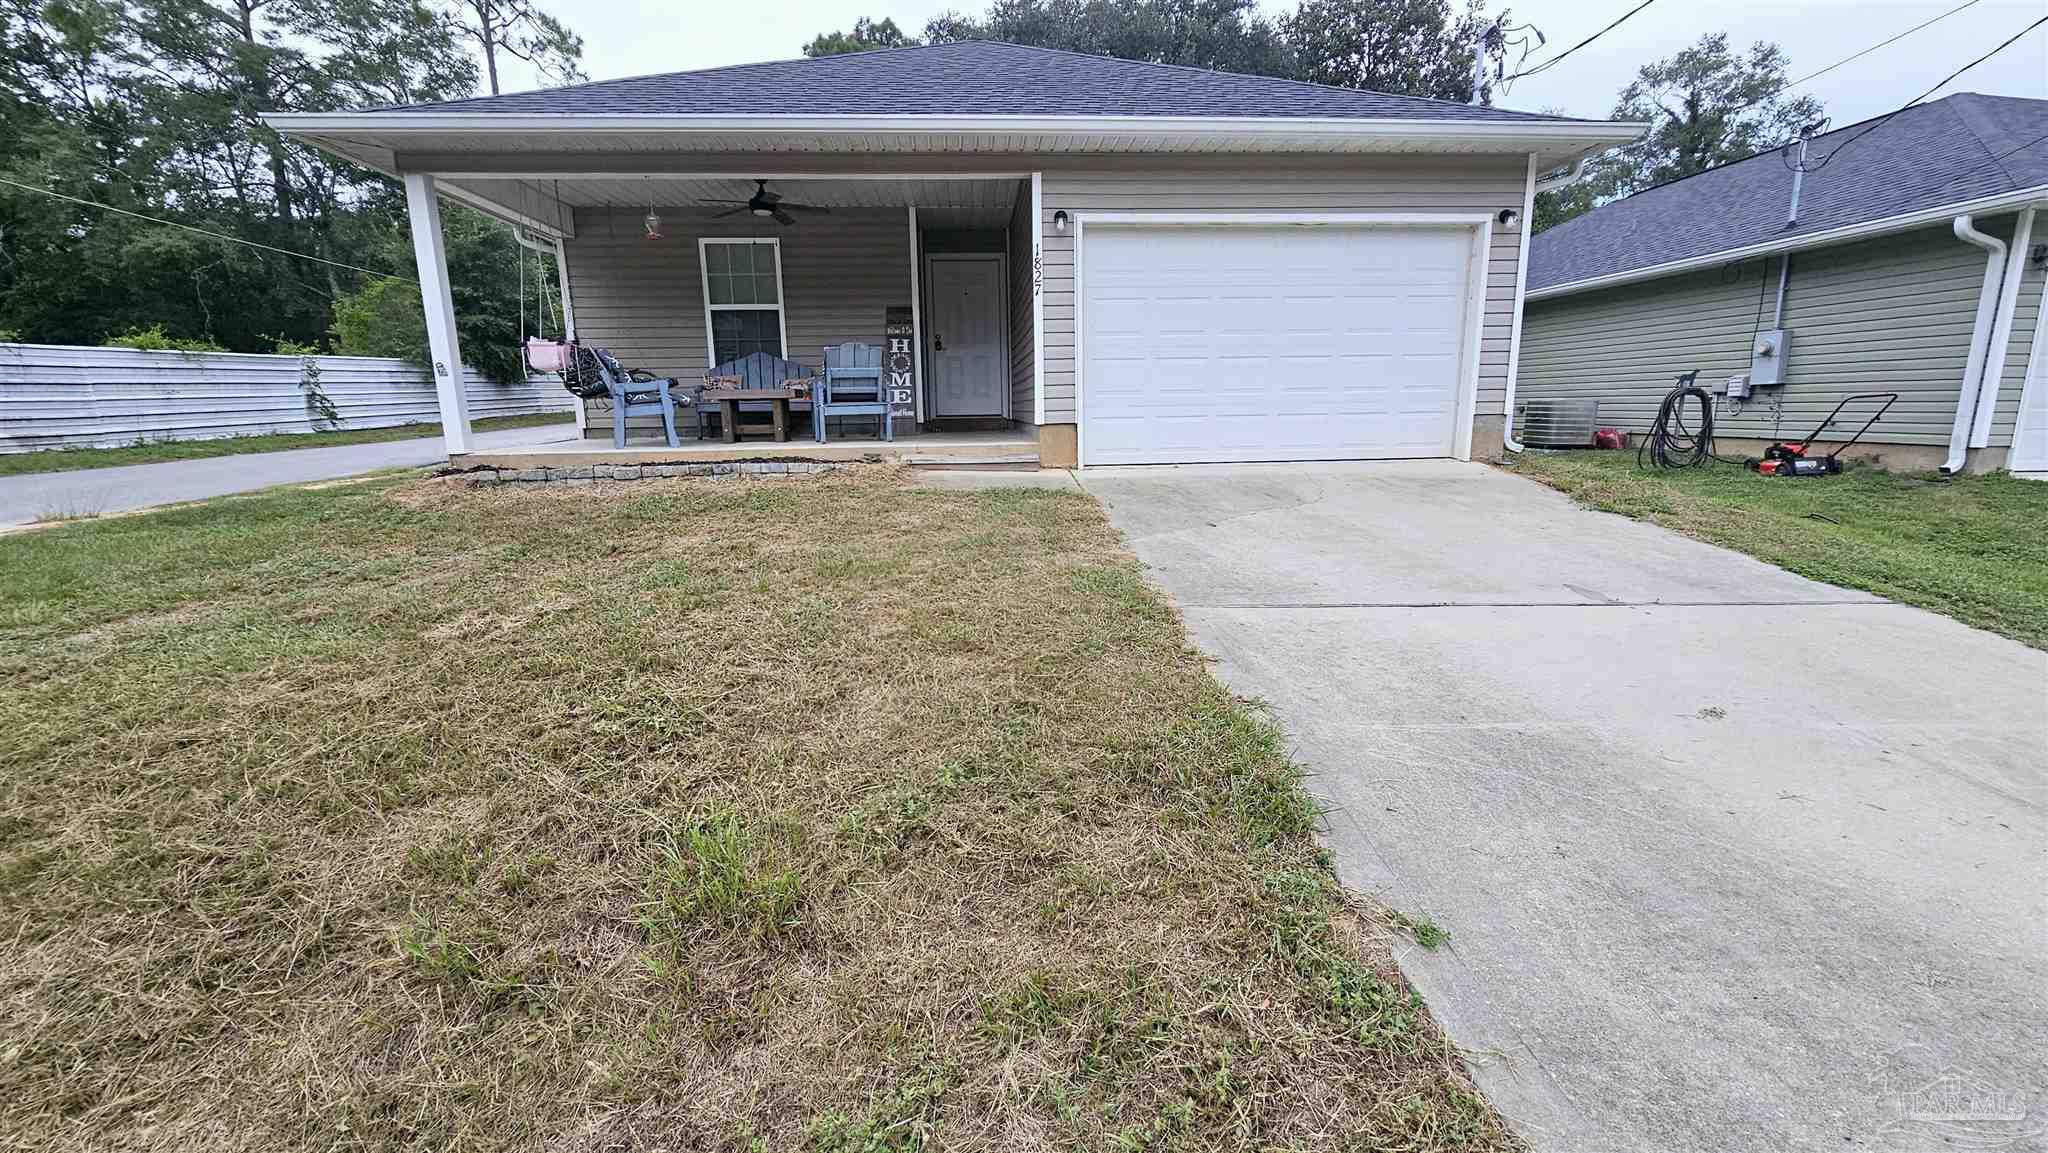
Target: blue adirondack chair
(852,386)
(595,372)
(754,370)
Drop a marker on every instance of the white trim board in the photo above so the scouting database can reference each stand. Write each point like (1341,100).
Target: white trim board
(917,319)
(1299,219)
(1038,298)
(1480,224)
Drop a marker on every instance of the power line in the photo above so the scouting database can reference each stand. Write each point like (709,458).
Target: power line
(1878,45)
(1581,44)
(203,231)
(1886,118)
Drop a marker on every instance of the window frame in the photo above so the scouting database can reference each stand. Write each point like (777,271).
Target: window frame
(780,307)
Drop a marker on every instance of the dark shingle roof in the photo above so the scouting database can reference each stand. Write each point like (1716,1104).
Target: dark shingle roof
(966,78)
(1955,149)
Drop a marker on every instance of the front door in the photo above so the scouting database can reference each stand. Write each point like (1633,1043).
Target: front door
(969,355)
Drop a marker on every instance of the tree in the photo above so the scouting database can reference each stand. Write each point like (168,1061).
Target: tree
(1227,35)
(385,317)
(1411,47)
(518,29)
(1706,107)
(152,107)
(866,36)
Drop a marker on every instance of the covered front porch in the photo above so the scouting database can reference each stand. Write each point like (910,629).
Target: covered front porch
(680,275)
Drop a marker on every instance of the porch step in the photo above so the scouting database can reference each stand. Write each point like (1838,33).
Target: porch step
(1012,462)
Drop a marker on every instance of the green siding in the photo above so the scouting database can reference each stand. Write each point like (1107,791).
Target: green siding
(1890,314)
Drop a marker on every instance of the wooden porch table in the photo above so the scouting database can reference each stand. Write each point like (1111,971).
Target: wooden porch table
(729,400)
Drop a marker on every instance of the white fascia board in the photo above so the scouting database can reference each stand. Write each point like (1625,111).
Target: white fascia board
(1863,229)
(1579,133)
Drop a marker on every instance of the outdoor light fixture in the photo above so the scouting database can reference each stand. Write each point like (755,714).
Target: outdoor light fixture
(1059,221)
(1509,219)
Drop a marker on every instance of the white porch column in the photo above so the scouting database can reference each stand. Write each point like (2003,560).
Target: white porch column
(431,254)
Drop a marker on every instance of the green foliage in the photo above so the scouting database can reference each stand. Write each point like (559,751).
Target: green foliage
(1230,35)
(154,106)
(153,339)
(1706,106)
(1414,47)
(866,35)
(385,318)
(518,29)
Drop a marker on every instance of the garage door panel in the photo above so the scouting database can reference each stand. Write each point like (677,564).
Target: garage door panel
(1239,344)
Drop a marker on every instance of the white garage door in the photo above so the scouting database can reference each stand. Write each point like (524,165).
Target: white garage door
(1238,343)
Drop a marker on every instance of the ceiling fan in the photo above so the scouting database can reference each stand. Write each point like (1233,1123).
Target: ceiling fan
(765,203)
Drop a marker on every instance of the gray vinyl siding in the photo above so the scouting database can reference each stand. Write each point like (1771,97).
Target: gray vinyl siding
(1892,314)
(1022,351)
(644,299)
(1279,184)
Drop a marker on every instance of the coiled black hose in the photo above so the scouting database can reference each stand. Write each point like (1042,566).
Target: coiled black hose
(1672,442)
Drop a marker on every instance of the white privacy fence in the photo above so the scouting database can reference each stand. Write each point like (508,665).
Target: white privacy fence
(55,395)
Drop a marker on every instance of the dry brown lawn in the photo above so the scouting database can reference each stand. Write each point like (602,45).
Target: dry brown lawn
(809,813)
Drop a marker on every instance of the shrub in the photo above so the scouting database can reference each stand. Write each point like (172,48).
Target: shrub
(154,339)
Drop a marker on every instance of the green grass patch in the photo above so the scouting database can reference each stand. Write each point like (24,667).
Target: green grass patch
(159,451)
(1971,547)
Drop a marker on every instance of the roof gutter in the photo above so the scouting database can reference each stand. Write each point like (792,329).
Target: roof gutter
(1567,179)
(402,122)
(1848,232)
(1980,341)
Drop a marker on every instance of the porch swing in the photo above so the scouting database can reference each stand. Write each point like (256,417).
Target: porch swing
(592,373)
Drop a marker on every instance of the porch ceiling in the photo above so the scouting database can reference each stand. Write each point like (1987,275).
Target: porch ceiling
(940,203)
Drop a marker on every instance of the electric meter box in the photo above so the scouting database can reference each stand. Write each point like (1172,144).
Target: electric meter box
(1767,357)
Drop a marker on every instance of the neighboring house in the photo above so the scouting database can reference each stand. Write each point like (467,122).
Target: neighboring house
(1915,265)
(1133,262)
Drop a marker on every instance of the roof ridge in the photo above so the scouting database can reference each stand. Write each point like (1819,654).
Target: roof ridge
(1004,44)
(1317,85)
(1994,157)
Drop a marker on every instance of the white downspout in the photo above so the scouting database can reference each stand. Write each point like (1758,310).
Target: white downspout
(1980,341)
(1507,408)
(1578,172)
(2001,331)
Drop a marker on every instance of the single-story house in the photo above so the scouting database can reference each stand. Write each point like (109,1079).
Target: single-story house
(1118,262)
(1905,258)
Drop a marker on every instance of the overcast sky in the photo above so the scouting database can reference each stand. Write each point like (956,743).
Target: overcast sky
(635,37)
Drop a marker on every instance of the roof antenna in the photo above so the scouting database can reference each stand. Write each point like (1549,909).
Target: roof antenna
(1806,135)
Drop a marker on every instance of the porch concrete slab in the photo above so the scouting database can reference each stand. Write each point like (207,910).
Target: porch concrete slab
(1730,859)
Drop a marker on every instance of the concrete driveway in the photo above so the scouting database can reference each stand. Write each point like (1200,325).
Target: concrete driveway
(1730,859)
(90,492)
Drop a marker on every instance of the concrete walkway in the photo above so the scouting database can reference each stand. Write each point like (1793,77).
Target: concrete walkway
(1731,860)
(90,492)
